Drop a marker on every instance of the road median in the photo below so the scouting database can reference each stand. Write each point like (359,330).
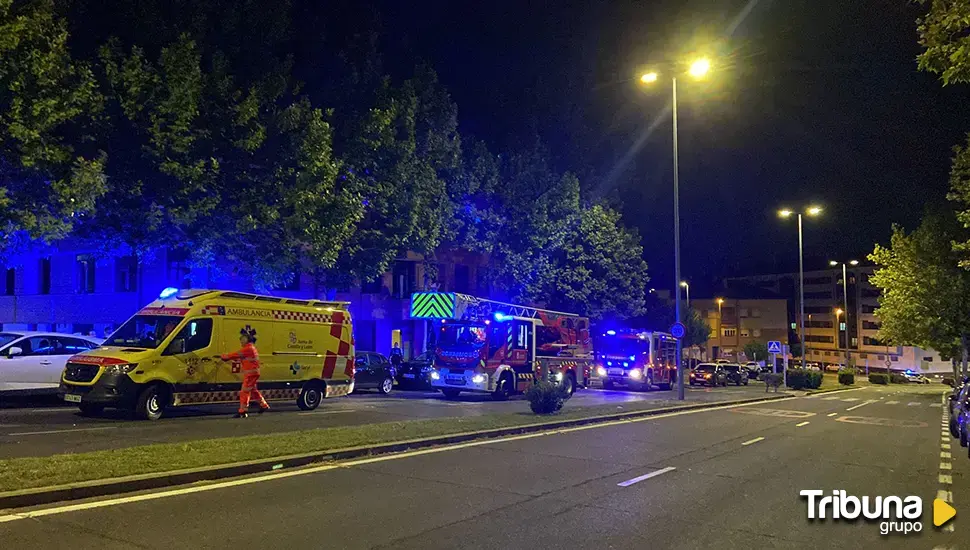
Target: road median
(32,481)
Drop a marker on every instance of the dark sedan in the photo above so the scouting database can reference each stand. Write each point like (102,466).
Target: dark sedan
(416,373)
(373,371)
(735,374)
(708,374)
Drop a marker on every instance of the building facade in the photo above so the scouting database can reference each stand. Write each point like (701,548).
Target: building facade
(834,323)
(736,322)
(70,289)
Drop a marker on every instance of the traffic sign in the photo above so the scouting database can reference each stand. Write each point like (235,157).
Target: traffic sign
(678,330)
(774,346)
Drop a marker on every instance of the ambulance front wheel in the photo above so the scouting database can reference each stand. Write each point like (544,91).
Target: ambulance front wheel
(309,398)
(151,403)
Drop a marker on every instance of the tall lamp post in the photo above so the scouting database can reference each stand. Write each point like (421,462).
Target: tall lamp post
(686,286)
(720,344)
(845,304)
(787,213)
(838,328)
(697,69)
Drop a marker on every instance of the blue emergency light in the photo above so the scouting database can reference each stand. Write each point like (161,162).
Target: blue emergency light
(168,293)
(611,332)
(499,316)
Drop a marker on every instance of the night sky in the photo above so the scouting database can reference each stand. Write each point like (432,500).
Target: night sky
(811,100)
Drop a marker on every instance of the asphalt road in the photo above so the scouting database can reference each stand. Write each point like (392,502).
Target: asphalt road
(724,478)
(54,428)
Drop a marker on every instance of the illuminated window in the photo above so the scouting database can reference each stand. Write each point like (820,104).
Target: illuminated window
(729,332)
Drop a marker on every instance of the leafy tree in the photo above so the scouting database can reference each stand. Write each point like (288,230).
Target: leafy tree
(925,294)
(50,172)
(756,350)
(944,34)
(698,329)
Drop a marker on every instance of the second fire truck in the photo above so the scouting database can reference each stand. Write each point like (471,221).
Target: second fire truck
(484,346)
(637,359)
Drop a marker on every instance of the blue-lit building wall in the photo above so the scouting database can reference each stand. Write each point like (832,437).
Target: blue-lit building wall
(69,289)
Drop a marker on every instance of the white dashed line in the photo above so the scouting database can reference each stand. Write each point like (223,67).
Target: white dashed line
(945,446)
(912,404)
(946,479)
(892,402)
(946,466)
(863,404)
(65,431)
(945,454)
(751,441)
(936,404)
(850,399)
(638,479)
(833,414)
(799,425)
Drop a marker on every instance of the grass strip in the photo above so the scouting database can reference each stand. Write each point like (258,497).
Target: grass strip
(62,469)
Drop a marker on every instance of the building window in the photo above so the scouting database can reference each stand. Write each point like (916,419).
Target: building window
(868,309)
(818,338)
(869,325)
(177,268)
(866,340)
(405,279)
(729,332)
(85,274)
(794,326)
(45,276)
(818,295)
(895,358)
(869,293)
(10,280)
(745,333)
(126,275)
(744,312)
(881,357)
(756,332)
(818,281)
(930,359)
(755,312)
(863,356)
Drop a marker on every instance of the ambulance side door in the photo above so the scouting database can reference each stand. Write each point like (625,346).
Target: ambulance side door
(191,355)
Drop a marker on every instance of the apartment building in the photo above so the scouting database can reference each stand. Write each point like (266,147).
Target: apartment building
(71,289)
(840,314)
(736,321)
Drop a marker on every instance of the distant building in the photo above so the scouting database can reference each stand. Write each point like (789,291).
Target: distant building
(739,321)
(827,332)
(70,289)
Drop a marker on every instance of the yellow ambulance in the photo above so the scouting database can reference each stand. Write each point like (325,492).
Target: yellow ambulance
(167,354)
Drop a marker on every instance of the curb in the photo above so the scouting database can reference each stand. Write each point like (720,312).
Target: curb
(832,390)
(104,487)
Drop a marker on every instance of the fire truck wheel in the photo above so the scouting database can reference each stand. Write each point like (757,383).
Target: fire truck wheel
(504,388)
(569,385)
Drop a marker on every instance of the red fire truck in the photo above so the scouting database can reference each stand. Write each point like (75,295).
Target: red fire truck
(492,347)
(637,359)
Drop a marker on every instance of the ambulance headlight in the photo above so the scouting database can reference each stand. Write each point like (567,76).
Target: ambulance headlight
(600,371)
(635,373)
(478,378)
(435,375)
(123,368)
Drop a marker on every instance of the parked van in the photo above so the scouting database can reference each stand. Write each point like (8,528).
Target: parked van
(167,354)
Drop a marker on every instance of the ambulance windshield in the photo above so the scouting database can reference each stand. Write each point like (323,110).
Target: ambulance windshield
(143,331)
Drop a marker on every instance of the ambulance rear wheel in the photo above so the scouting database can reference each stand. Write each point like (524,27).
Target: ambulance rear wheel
(151,403)
(309,398)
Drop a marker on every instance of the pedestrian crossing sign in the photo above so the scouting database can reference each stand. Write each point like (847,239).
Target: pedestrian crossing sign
(774,346)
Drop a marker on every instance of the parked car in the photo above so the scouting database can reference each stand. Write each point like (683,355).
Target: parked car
(32,362)
(373,371)
(708,374)
(416,373)
(958,421)
(916,378)
(956,400)
(735,374)
(754,369)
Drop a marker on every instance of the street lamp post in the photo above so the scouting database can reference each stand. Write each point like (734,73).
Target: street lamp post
(697,69)
(720,344)
(838,329)
(785,213)
(845,304)
(686,286)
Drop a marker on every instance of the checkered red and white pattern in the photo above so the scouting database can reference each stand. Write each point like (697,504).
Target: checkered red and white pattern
(308,317)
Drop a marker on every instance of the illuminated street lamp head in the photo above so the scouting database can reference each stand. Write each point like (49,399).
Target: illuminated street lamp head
(719,301)
(814,210)
(649,78)
(854,262)
(784,212)
(700,68)
(684,284)
(833,262)
(838,311)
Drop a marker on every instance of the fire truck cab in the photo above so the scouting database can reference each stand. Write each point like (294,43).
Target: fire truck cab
(484,346)
(637,359)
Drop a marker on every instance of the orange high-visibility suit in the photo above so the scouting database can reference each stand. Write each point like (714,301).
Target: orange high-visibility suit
(249,366)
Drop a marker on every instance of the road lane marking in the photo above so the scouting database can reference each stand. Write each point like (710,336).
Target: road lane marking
(833,414)
(945,446)
(323,412)
(800,424)
(946,479)
(66,431)
(166,493)
(863,404)
(945,496)
(912,404)
(946,466)
(889,422)
(850,399)
(638,479)
(892,402)
(945,454)
(752,441)
(830,398)
(936,404)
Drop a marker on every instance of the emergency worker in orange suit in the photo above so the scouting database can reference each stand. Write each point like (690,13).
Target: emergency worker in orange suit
(248,357)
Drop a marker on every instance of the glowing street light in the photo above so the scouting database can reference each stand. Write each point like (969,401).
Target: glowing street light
(686,286)
(811,210)
(697,69)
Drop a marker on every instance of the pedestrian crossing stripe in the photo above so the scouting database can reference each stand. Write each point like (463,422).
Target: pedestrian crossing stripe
(433,305)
